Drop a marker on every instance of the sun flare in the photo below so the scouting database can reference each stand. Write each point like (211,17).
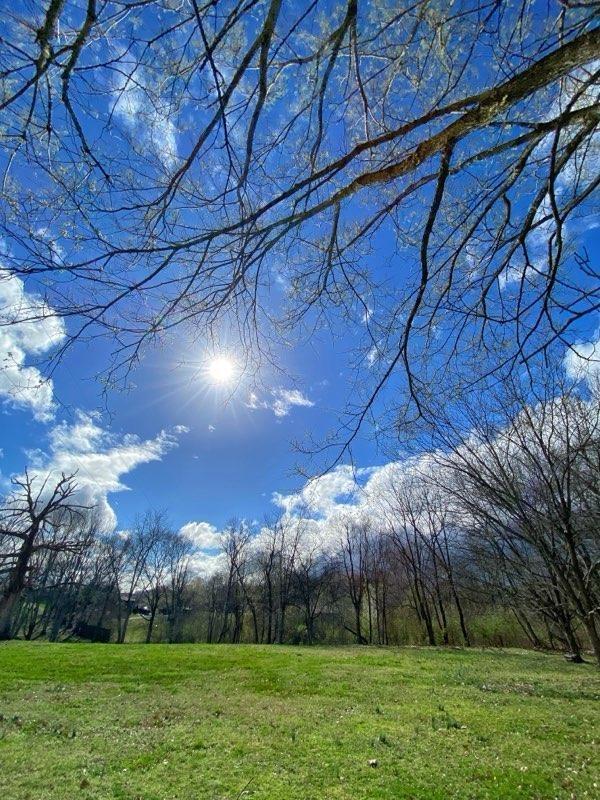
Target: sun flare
(221,370)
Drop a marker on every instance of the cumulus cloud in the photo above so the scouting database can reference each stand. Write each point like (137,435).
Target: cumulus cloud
(321,510)
(207,564)
(348,495)
(315,518)
(321,495)
(206,539)
(28,327)
(280,402)
(99,459)
(202,535)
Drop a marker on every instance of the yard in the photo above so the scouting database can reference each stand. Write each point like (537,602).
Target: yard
(201,721)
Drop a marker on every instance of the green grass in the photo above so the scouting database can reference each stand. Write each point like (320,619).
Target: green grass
(196,721)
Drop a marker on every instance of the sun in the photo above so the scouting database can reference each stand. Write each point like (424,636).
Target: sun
(221,370)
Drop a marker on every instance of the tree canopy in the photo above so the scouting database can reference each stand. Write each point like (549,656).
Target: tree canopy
(423,172)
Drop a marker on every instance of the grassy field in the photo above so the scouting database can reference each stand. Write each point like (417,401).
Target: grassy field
(192,721)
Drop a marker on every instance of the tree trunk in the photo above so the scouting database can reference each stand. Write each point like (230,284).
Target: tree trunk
(461,617)
(150,624)
(15,586)
(357,623)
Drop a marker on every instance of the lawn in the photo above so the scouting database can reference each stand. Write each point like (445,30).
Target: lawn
(199,721)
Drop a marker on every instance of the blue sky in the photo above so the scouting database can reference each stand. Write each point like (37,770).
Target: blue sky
(175,439)
(232,446)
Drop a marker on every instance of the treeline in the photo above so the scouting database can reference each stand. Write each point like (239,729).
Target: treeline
(491,538)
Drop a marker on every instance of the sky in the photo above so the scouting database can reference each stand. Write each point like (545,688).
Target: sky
(192,434)
(179,438)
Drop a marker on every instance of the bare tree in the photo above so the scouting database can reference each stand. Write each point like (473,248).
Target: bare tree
(37,517)
(156,568)
(182,157)
(287,537)
(56,591)
(312,571)
(353,553)
(524,479)
(379,578)
(177,586)
(234,544)
(130,551)
(443,540)
(407,520)
(266,559)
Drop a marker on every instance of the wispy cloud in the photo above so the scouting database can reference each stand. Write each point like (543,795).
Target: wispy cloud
(280,402)
(99,459)
(286,399)
(143,115)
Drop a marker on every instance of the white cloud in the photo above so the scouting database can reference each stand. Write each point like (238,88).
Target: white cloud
(99,460)
(319,512)
(582,361)
(28,327)
(280,402)
(326,504)
(253,402)
(202,534)
(140,111)
(321,495)
(537,243)
(55,251)
(206,564)
(579,170)
(373,355)
(285,399)
(206,539)
(585,161)
(84,436)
